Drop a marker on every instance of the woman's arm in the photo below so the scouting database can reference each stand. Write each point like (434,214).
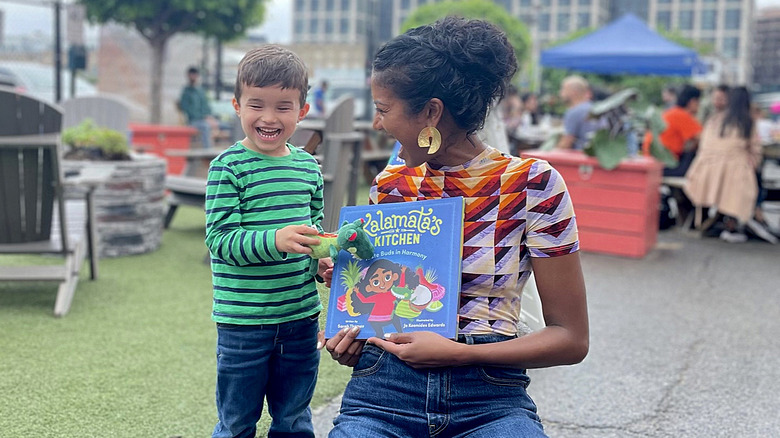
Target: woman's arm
(563,341)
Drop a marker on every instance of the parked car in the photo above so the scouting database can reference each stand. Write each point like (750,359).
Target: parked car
(38,80)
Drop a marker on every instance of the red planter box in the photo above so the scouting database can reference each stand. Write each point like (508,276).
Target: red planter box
(157,139)
(617,210)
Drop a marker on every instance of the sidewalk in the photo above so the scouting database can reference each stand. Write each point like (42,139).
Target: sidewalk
(684,343)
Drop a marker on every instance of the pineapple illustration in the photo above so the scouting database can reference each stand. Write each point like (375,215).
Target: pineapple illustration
(349,278)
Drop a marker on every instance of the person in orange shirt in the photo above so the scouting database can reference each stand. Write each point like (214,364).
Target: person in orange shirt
(681,135)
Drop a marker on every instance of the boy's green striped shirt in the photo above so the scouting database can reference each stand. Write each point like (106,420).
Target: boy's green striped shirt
(248,197)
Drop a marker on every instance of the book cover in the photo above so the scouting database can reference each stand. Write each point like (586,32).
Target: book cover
(413,281)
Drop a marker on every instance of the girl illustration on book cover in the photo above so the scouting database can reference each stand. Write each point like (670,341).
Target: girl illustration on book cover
(374,295)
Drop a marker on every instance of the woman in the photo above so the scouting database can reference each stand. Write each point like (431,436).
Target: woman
(431,88)
(723,174)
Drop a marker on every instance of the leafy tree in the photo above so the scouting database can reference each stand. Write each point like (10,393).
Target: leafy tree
(157,21)
(515,30)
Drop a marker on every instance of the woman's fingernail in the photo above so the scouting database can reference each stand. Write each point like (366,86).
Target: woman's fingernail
(345,330)
(355,329)
(387,335)
(319,345)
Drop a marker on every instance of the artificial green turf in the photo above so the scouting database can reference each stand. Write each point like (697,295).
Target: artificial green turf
(135,357)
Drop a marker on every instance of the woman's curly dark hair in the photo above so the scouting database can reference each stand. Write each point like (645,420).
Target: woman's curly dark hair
(465,63)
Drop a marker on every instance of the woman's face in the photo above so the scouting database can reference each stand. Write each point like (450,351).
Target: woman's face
(391,116)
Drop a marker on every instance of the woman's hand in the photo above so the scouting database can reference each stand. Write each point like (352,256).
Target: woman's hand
(325,270)
(422,349)
(342,347)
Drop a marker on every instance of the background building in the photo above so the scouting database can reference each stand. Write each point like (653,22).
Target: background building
(766,51)
(723,24)
(352,28)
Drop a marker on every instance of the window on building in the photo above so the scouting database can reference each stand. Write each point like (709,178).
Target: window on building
(664,1)
(315,5)
(330,5)
(686,1)
(583,2)
(685,20)
(583,20)
(564,2)
(298,5)
(507,4)
(346,5)
(709,19)
(563,22)
(405,4)
(544,22)
(731,47)
(544,2)
(732,19)
(314,25)
(663,20)
(299,26)
(344,26)
(329,26)
(525,3)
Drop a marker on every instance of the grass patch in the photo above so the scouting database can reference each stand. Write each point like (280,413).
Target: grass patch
(135,357)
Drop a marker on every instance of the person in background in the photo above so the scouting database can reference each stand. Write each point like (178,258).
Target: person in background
(512,109)
(531,116)
(723,174)
(681,136)
(669,96)
(319,98)
(717,103)
(195,107)
(577,125)
(431,88)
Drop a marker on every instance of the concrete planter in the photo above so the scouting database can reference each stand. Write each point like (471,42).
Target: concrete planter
(130,207)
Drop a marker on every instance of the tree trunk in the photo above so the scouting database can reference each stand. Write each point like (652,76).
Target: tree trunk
(158,57)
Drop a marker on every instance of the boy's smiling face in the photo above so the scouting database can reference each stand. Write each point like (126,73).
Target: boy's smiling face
(268,117)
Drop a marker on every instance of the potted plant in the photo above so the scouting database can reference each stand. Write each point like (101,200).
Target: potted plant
(88,141)
(621,129)
(130,206)
(614,188)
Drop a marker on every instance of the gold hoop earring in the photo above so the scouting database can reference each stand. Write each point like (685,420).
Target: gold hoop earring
(430,138)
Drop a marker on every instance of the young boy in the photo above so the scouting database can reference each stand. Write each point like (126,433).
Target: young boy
(263,199)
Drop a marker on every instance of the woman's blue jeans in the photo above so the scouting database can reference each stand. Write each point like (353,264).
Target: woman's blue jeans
(387,398)
(277,362)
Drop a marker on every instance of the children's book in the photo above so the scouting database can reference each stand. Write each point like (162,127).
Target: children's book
(413,281)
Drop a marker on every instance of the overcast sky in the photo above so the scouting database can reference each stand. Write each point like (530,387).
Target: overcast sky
(21,19)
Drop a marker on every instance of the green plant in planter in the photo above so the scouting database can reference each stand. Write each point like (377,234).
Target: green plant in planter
(624,131)
(92,142)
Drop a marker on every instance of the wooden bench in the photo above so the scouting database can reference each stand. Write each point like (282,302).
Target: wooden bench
(184,190)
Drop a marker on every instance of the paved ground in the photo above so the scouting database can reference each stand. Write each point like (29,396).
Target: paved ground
(684,343)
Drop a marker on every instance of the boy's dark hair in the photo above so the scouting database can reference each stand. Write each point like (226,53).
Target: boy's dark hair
(687,94)
(192,70)
(723,87)
(271,65)
(465,63)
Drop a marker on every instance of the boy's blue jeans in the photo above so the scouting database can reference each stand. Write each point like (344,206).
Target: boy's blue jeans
(387,398)
(277,362)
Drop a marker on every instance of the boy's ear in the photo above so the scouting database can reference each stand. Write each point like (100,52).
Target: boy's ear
(236,106)
(304,110)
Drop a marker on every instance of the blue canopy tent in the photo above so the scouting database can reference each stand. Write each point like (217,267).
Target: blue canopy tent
(625,46)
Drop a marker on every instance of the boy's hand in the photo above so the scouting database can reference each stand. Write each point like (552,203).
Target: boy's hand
(325,270)
(295,239)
